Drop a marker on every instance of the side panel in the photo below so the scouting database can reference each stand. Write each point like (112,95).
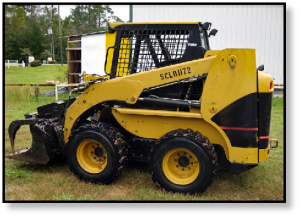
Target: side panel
(265,95)
(229,102)
(239,121)
(154,124)
(265,105)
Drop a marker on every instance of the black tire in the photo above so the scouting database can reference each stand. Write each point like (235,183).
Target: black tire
(186,151)
(112,152)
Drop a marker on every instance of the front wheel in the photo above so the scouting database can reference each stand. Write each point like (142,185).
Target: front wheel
(183,161)
(97,153)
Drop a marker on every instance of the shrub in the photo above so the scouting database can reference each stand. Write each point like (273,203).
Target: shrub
(52,62)
(35,63)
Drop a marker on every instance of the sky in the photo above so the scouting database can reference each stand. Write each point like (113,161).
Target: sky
(121,11)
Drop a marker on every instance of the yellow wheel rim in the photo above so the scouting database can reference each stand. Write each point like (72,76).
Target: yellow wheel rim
(181,166)
(92,156)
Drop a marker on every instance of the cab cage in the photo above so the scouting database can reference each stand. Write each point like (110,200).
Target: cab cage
(145,47)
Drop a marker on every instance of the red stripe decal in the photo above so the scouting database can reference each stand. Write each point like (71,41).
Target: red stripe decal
(239,128)
(264,137)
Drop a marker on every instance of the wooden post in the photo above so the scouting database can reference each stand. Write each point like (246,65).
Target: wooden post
(37,91)
(56,92)
(63,85)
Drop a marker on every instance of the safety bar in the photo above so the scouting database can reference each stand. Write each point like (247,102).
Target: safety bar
(106,59)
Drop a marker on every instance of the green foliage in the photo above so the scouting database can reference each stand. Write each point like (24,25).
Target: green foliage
(14,21)
(25,53)
(91,18)
(52,62)
(35,63)
(26,28)
(16,173)
(35,75)
(45,54)
(277,103)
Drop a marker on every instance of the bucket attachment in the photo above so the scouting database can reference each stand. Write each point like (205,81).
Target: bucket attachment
(44,141)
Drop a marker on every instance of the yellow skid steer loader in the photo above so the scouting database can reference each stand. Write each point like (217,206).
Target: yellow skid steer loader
(166,99)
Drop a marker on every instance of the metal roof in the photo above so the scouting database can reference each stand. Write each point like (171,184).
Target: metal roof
(91,33)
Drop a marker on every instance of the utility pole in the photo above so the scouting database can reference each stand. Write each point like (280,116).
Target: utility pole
(130,13)
(59,29)
(52,42)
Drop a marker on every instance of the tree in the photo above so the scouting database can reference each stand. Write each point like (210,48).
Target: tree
(99,12)
(14,19)
(34,39)
(14,26)
(26,27)
(91,18)
(25,53)
(45,54)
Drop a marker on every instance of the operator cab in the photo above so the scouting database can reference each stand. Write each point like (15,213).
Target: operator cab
(142,47)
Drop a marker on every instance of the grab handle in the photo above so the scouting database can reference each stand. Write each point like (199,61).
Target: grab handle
(106,59)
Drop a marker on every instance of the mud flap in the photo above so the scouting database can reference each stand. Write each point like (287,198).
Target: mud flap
(38,152)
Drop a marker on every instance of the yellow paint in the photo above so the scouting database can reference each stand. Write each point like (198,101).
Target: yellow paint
(155,123)
(177,173)
(264,83)
(243,155)
(155,113)
(110,41)
(91,77)
(263,154)
(210,53)
(129,88)
(87,158)
(124,57)
(223,86)
(101,92)
(113,25)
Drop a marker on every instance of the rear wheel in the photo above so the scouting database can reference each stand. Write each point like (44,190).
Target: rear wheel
(183,161)
(97,153)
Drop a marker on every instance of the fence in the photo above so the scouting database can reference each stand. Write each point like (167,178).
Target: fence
(13,63)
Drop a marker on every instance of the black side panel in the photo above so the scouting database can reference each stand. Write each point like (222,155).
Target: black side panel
(53,110)
(265,105)
(239,121)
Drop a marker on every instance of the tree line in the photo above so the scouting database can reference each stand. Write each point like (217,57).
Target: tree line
(26,29)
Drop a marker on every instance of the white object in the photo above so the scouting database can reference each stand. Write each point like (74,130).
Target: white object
(93,52)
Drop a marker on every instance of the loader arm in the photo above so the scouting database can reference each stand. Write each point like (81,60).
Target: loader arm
(129,88)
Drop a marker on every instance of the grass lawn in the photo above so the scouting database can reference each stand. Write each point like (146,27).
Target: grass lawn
(27,181)
(35,75)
